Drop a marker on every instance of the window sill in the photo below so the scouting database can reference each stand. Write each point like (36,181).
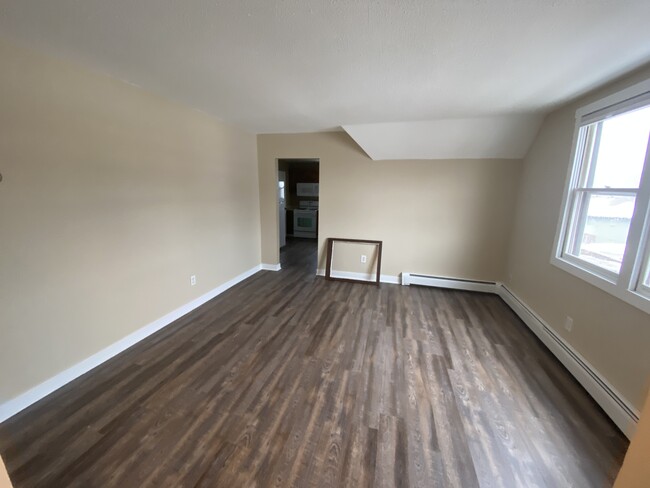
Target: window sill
(628,296)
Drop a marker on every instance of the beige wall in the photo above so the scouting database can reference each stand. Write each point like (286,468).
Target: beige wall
(449,218)
(111,198)
(5,482)
(612,335)
(635,472)
(346,256)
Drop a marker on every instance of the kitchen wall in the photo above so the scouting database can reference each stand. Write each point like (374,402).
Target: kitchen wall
(449,218)
(612,335)
(111,198)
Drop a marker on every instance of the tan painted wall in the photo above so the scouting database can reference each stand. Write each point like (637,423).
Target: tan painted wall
(635,472)
(612,335)
(346,256)
(111,198)
(448,218)
(5,482)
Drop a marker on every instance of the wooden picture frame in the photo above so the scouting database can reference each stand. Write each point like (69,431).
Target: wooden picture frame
(328,266)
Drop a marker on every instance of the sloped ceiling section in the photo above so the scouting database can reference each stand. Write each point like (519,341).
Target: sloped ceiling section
(501,137)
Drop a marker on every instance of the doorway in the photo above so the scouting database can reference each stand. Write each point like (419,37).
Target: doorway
(298,206)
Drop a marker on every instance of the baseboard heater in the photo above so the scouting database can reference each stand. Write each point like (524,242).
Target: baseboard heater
(612,402)
(446,282)
(631,413)
(573,356)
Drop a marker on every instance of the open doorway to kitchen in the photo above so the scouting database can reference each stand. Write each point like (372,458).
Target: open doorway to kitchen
(298,204)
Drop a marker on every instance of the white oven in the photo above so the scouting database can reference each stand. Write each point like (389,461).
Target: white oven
(305,220)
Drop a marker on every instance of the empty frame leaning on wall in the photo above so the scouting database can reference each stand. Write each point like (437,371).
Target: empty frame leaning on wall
(330,253)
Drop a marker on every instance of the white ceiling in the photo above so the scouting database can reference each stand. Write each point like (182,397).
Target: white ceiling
(309,65)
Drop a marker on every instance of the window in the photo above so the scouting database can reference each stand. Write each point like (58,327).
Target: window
(644,282)
(604,230)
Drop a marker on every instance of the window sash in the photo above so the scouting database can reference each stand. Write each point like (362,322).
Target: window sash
(607,112)
(643,276)
(577,222)
(630,283)
(589,153)
(643,290)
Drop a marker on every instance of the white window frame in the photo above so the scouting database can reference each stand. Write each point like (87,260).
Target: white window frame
(627,284)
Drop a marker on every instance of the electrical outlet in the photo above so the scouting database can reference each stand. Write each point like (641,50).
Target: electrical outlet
(193,280)
(568,323)
(364,258)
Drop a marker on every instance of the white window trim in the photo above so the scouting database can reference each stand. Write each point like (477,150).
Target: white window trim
(639,271)
(627,285)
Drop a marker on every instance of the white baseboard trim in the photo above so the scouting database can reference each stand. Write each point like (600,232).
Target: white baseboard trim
(622,413)
(24,400)
(270,267)
(445,282)
(369,277)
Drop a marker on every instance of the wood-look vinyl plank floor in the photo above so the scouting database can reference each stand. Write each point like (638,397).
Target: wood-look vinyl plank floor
(289,380)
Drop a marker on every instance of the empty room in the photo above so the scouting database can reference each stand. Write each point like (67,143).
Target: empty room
(303,243)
